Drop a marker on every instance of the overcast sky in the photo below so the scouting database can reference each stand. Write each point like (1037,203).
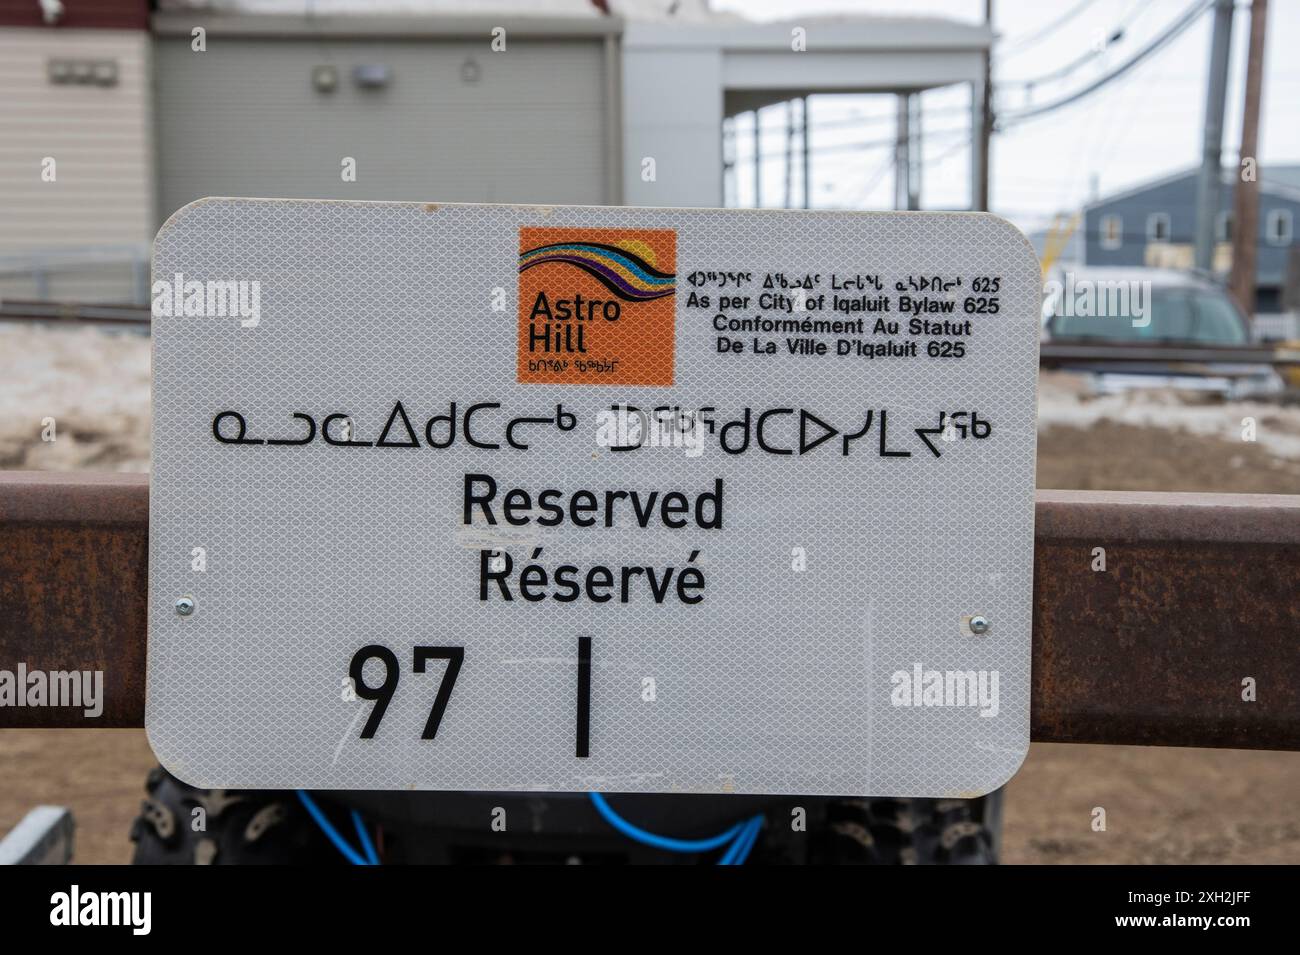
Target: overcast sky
(1146,124)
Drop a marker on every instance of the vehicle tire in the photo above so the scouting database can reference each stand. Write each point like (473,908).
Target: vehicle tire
(908,832)
(242,827)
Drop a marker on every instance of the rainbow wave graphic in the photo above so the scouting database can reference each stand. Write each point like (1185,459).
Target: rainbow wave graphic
(625,274)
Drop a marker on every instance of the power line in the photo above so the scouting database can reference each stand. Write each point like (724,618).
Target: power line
(875,179)
(1174,30)
(852,146)
(890,117)
(1069,68)
(872,181)
(887,117)
(1116,35)
(1019,43)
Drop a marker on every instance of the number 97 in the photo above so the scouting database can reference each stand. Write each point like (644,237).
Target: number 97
(383,694)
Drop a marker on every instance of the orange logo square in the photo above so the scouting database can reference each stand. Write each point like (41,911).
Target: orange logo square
(597,306)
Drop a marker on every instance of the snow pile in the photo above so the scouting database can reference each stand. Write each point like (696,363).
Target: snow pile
(93,383)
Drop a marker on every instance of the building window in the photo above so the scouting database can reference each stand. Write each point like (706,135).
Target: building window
(1158,227)
(1223,227)
(1278,230)
(1112,232)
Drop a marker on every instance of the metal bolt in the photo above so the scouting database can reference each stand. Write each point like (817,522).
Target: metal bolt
(184,606)
(979,625)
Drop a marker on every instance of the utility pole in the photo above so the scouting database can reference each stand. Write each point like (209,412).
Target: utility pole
(789,154)
(807,170)
(986,120)
(902,160)
(907,153)
(730,183)
(1245,212)
(1207,189)
(914,152)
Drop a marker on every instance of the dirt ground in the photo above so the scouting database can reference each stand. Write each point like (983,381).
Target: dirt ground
(1162,805)
(1119,457)
(98,774)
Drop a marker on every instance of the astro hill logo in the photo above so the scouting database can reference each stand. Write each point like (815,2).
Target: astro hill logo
(597,306)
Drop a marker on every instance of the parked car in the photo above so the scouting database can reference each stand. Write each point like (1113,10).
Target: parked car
(1153,309)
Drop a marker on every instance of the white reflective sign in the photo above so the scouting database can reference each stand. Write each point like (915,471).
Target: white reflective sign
(523,497)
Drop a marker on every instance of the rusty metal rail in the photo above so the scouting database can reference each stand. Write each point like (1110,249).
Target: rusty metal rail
(1199,593)
(1055,354)
(74,578)
(129,316)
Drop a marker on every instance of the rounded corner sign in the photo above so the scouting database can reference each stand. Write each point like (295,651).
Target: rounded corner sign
(541,498)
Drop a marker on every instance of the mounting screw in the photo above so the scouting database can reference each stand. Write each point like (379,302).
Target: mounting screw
(184,606)
(979,625)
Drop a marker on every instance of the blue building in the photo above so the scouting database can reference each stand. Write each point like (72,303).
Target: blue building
(1155,225)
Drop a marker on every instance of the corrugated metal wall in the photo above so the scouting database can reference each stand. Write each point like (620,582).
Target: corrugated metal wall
(455,123)
(101,140)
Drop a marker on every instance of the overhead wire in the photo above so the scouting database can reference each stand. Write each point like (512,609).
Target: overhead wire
(1174,30)
(1115,35)
(1016,44)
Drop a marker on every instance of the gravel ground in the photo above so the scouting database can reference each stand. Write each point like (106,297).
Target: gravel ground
(1162,805)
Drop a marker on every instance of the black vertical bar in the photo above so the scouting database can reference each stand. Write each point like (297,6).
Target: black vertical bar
(584,698)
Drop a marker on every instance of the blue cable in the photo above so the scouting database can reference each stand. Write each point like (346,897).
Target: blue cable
(745,842)
(371,855)
(749,846)
(662,842)
(729,857)
(739,850)
(326,827)
(741,836)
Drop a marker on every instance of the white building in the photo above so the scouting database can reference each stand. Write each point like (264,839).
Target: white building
(566,105)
